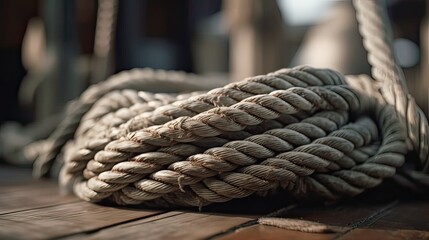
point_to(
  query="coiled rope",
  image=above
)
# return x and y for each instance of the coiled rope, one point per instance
(136, 79)
(377, 38)
(311, 132)
(287, 129)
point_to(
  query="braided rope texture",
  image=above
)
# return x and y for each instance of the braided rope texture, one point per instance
(308, 131)
(136, 79)
(377, 38)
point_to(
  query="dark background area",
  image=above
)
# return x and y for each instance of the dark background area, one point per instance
(149, 33)
(143, 28)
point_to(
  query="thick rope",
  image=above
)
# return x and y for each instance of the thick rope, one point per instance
(310, 132)
(137, 79)
(377, 38)
(290, 129)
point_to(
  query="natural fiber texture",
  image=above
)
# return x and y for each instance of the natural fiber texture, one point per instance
(311, 132)
(301, 225)
(137, 79)
(372, 19)
(373, 26)
(300, 129)
(377, 38)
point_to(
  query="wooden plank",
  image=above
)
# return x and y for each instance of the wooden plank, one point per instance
(348, 214)
(379, 234)
(36, 210)
(405, 217)
(172, 225)
(28, 186)
(360, 211)
(411, 215)
(19, 198)
(273, 233)
(65, 219)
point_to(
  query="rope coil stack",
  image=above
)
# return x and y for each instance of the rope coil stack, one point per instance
(312, 132)
(148, 79)
(287, 129)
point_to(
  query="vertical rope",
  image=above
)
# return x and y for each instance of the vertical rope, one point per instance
(377, 39)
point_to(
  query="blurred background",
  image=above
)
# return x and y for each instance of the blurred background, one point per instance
(51, 50)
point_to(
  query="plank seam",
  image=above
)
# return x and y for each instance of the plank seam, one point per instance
(40, 207)
(94, 231)
(368, 221)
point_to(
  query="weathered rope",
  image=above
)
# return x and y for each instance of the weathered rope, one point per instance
(288, 129)
(377, 38)
(311, 132)
(137, 79)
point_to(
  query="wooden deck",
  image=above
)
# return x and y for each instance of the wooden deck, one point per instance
(32, 209)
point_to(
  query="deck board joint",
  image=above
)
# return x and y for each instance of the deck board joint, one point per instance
(368, 221)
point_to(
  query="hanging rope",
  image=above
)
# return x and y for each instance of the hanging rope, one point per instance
(377, 39)
(312, 132)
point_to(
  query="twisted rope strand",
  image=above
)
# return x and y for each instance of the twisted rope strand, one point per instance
(214, 147)
(230, 94)
(234, 153)
(285, 167)
(311, 132)
(377, 37)
(139, 79)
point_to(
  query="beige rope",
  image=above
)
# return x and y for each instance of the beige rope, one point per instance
(137, 79)
(301, 225)
(377, 39)
(308, 131)
(290, 129)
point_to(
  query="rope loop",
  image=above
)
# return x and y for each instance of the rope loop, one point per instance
(165, 139)
(311, 132)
